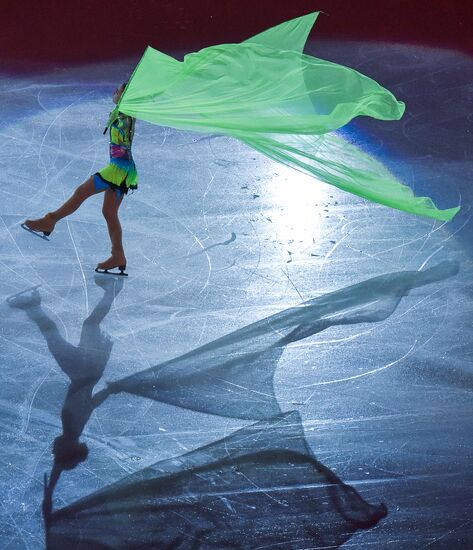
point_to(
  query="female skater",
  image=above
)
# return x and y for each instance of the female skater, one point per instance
(115, 179)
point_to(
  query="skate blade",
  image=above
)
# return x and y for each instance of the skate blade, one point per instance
(44, 235)
(108, 272)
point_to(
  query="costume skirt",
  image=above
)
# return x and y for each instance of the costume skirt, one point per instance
(120, 174)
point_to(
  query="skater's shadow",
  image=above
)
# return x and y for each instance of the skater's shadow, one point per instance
(233, 376)
(260, 485)
(84, 365)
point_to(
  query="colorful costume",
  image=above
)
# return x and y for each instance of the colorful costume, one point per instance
(120, 174)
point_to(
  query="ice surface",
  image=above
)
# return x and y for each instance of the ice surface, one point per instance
(254, 291)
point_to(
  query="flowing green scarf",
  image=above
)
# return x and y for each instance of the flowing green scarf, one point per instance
(281, 102)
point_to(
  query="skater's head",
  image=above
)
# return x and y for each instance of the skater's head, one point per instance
(117, 94)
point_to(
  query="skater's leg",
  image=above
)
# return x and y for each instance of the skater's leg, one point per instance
(47, 223)
(83, 192)
(111, 204)
(63, 352)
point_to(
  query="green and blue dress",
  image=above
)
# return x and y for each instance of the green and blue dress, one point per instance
(120, 174)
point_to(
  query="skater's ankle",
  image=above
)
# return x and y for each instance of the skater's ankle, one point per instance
(118, 252)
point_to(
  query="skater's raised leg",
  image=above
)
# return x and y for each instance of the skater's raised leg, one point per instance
(46, 223)
(111, 204)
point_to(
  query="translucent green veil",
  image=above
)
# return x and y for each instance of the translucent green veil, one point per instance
(279, 101)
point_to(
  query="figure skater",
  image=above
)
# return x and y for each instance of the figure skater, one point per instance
(115, 179)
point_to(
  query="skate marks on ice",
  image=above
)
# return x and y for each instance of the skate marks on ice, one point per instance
(233, 375)
(261, 487)
(207, 248)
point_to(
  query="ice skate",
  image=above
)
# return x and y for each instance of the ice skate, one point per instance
(115, 261)
(44, 225)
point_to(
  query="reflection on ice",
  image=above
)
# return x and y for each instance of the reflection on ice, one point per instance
(297, 212)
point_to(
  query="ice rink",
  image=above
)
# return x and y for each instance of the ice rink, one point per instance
(287, 366)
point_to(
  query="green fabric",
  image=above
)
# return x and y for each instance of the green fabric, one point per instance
(281, 102)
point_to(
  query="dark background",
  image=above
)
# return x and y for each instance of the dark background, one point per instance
(77, 31)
